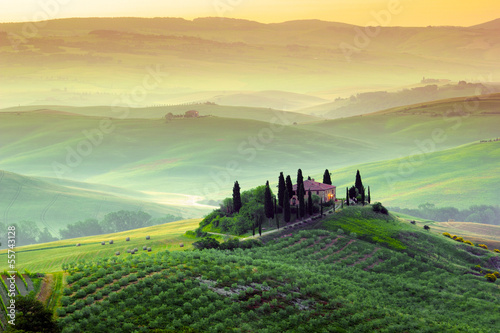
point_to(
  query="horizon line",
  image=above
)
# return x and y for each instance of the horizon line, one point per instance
(231, 18)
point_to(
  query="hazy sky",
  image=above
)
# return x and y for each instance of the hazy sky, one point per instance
(404, 12)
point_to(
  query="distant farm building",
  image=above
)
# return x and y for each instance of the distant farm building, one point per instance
(192, 114)
(324, 191)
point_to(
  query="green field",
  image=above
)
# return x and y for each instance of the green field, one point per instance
(154, 165)
(159, 112)
(429, 283)
(458, 177)
(49, 257)
(54, 203)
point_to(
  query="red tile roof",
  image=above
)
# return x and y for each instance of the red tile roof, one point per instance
(314, 186)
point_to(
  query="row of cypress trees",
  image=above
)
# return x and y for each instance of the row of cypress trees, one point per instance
(285, 193)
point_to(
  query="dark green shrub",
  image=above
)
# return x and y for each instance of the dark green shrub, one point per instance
(206, 243)
(378, 208)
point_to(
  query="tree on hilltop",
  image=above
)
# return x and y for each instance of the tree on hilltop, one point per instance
(236, 197)
(309, 203)
(300, 179)
(302, 204)
(281, 189)
(326, 178)
(268, 203)
(289, 187)
(359, 184)
(286, 207)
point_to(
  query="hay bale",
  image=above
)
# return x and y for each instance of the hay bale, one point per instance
(127, 239)
(128, 251)
(181, 244)
(148, 237)
(77, 244)
(117, 253)
(135, 250)
(149, 249)
(103, 243)
(144, 247)
(111, 242)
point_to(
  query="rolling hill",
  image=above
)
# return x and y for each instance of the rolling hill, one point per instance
(428, 282)
(368, 102)
(458, 177)
(48, 257)
(159, 112)
(154, 155)
(102, 60)
(54, 203)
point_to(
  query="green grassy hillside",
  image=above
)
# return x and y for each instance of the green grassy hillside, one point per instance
(49, 257)
(154, 155)
(368, 102)
(159, 112)
(55, 203)
(458, 177)
(430, 283)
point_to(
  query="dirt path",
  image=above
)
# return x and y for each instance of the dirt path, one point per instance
(22, 287)
(365, 257)
(373, 265)
(329, 244)
(349, 243)
(46, 289)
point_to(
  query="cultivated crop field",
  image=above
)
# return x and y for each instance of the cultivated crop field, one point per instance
(308, 281)
(475, 232)
(49, 257)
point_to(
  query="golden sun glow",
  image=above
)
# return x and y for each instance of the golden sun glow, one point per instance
(359, 12)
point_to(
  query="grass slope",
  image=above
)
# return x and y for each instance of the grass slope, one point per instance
(288, 285)
(158, 156)
(159, 112)
(54, 203)
(153, 155)
(458, 177)
(49, 257)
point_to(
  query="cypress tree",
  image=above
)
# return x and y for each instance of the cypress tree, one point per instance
(302, 204)
(363, 197)
(276, 215)
(236, 197)
(268, 203)
(326, 178)
(300, 179)
(347, 196)
(281, 189)
(309, 203)
(286, 207)
(289, 186)
(369, 199)
(359, 184)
